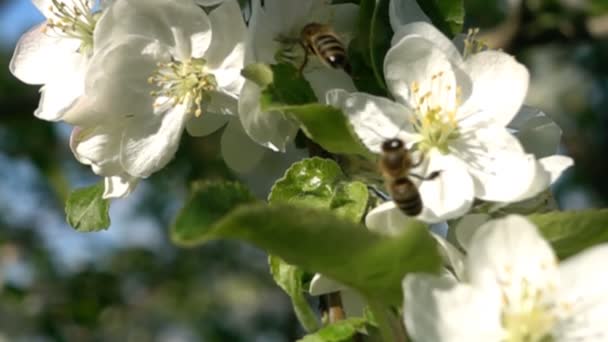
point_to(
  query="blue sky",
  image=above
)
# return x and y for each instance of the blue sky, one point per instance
(15, 18)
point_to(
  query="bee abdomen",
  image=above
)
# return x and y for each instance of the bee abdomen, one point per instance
(331, 50)
(406, 196)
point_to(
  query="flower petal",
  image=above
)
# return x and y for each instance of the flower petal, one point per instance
(555, 166)
(206, 124)
(437, 309)
(155, 20)
(60, 94)
(98, 146)
(415, 66)
(450, 194)
(226, 53)
(240, 153)
(40, 57)
(116, 83)
(320, 285)
(323, 79)
(269, 129)
(429, 32)
(510, 255)
(402, 12)
(582, 293)
(500, 85)
(373, 118)
(537, 133)
(387, 219)
(119, 186)
(149, 144)
(467, 226)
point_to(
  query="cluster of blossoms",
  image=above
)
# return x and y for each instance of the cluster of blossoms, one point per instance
(132, 75)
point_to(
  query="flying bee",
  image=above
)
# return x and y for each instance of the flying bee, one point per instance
(395, 165)
(321, 40)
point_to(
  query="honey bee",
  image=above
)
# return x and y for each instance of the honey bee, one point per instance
(395, 165)
(321, 40)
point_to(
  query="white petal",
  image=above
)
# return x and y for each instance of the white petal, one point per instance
(324, 79)
(148, 145)
(373, 118)
(402, 12)
(227, 50)
(452, 257)
(510, 256)
(537, 133)
(119, 186)
(263, 31)
(116, 85)
(439, 310)
(501, 171)
(269, 129)
(206, 124)
(466, 228)
(415, 66)
(583, 296)
(320, 285)
(60, 94)
(555, 166)
(240, 153)
(344, 19)
(450, 194)
(41, 57)
(430, 33)
(387, 219)
(98, 146)
(500, 85)
(155, 20)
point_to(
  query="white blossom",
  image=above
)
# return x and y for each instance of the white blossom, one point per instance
(156, 65)
(453, 111)
(274, 30)
(513, 290)
(55, 54)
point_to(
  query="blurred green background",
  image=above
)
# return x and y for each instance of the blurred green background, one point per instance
(130, 284)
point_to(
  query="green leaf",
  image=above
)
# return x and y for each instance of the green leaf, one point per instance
(328, 127)
(288, 88)
(571, 232)
(318, 241)
(289, 278)
(446, 15)
(86, 210)
(291, 94)
(380, 39)
(337, 332)
(320, 183)
(368, 48)
(208, 202)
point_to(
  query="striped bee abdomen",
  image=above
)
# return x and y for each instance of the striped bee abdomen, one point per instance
(406, 196)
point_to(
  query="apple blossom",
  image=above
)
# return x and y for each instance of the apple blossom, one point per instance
(55, 54)
(513, 290)
(156, 65)
(274, 32)
(454, 112)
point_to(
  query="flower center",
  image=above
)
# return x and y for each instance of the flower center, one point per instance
(528, 316)
(435, 118)
(76, 21)
(184, 82)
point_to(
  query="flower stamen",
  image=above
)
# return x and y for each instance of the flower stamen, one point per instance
(77, 22)
(184, 82)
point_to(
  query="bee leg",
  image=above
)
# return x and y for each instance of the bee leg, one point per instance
(432, 176)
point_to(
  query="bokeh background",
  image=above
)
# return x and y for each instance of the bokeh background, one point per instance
(130, 284)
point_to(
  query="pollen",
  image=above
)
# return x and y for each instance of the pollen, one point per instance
(184, 82)
(76, 21)
(435, 112)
